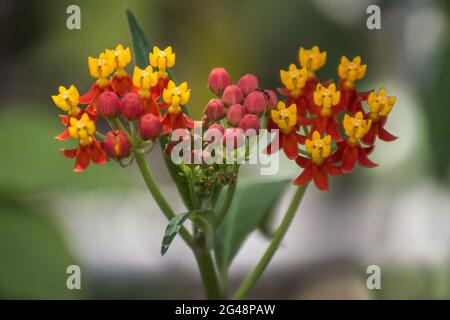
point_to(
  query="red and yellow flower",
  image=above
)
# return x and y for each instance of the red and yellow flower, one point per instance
(100, 68)
(121, 81)
(176, 97)
(285, 120)
(349, 72)
(326, 107)
(350, 151)
(320, 165)
(143, 81)
(380, 106)
(89, 149)
(312, 59)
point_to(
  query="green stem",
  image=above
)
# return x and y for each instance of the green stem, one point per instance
(207, 272)
(254, 275)
(121, 126)
(159, 198)
(228, 199)
(191, 186)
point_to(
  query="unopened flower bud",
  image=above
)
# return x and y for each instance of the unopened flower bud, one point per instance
(250, 122)
(116, 145)
(248, 83)
(232, 95)
(107, 104)
(150, 127)
(272, 99)
(218, 80)
(255, 103)
(234, 114)
(131, 106)
(233, 138)
(213, 132)
(215, 110)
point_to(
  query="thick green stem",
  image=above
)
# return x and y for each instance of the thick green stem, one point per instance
(254, 275)
(208, 273)
(159, 198)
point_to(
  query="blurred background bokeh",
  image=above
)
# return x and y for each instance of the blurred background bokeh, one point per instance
(396, 216)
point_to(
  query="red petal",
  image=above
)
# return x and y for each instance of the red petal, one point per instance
(271, 148)
(150, 106)
(384, 135)
(364, 160)
(64, 119)
(82, 161)
(333, 131)
(63, 135)
(338, 154)
(301, 104)
(68, 153)
(321, 178)
(121, 85)
(349, 158)
(167, 122)
(96, 153)
(300, 138)
(305, 177)
(187, 122)
(302, 161)
(304, 121)
(289, 144)
(90, 95)
(271, 125)
(355, 105)
(332, 170)
(369, 137)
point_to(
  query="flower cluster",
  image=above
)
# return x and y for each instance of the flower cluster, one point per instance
(340, 124)
(148, 101)
(326, 127)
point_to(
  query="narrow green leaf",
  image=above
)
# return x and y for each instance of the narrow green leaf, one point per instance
(171, 231)
(251, 203)
(201, 217)
(140, 45)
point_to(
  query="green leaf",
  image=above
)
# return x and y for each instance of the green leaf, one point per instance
(252, 201)
(140, 45)
(141, 48)
(265, 226)
(200, 217)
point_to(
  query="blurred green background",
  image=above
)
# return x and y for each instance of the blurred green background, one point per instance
(51, 218)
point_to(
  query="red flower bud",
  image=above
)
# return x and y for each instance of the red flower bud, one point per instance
(233, 138)
(272, 99)
(131, 106)
(215, 110)
(234, 114)
(250, 122)
(218, 80)
(150, 127)
(107, 104)
(248, 83)
(255, 103)
(215, 130)
(116, 145)
(232, 95)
